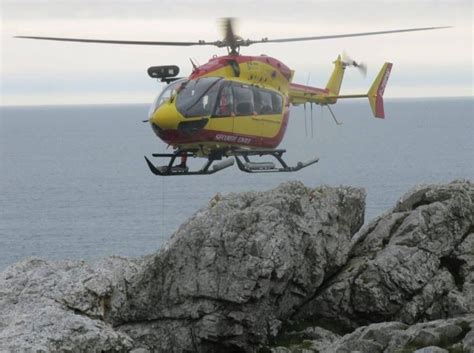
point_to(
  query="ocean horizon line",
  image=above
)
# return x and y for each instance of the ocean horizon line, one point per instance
(387, 99)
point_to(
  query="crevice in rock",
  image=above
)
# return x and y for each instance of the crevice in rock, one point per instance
(285, 338)
(214, 347)
(453, 265)
(469, 231)
(81, 313)
(448, 342)
(466, 328)
(186, 320)
(396, 225)
(422, 202)
(77, 311)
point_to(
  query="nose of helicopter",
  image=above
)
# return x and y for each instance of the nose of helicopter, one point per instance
(163, 119)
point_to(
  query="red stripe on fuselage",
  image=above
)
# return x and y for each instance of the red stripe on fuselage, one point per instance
(222, 61)
(176, 137)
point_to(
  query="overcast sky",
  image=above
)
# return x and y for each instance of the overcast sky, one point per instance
(431, 63)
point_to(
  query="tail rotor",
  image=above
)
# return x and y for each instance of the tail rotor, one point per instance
(348, 61)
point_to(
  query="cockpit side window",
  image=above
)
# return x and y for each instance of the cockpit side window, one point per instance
(165, 95)
(197, 97)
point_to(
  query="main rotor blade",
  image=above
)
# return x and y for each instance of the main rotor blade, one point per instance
(130, 42)
(229, 35)
(283, 40)
(237, 42)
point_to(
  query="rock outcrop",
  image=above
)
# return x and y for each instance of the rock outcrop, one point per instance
(226, 280)
(241, 266)
(258, 270)
(407, 269)
(413, 263)
(60, 307)
(438, 336)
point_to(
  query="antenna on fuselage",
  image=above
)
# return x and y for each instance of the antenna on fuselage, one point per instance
(193, 64)
(305, 123)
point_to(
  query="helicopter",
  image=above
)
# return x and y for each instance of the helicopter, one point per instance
(236, 107)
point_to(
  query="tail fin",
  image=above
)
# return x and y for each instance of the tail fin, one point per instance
(377, 89)
(334, 83)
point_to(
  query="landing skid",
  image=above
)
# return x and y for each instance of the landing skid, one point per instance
(246, 165)
(241, 156)
(171, 169)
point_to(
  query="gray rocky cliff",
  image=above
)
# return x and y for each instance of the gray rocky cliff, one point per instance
(413, 263)
(407, 270)
(250, 270)
(242, 265)
(226, 280)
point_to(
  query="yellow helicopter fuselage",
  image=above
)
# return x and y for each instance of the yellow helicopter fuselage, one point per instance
(254, 90)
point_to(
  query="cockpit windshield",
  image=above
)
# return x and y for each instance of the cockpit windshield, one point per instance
(165, 95)
(198, 97)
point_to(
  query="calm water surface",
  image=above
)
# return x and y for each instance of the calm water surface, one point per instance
(74, 184)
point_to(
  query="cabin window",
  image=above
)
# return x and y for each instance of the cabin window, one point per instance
(235, 99)
(277, 102)
(225, 102)
(243, 100)
(264, 102)
(267, 102)
(197, 97)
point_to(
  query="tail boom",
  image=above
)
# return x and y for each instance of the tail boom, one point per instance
(300, 94)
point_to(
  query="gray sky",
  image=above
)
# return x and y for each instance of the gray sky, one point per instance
(432, 63)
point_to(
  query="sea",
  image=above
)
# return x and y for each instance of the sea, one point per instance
(74, 183)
